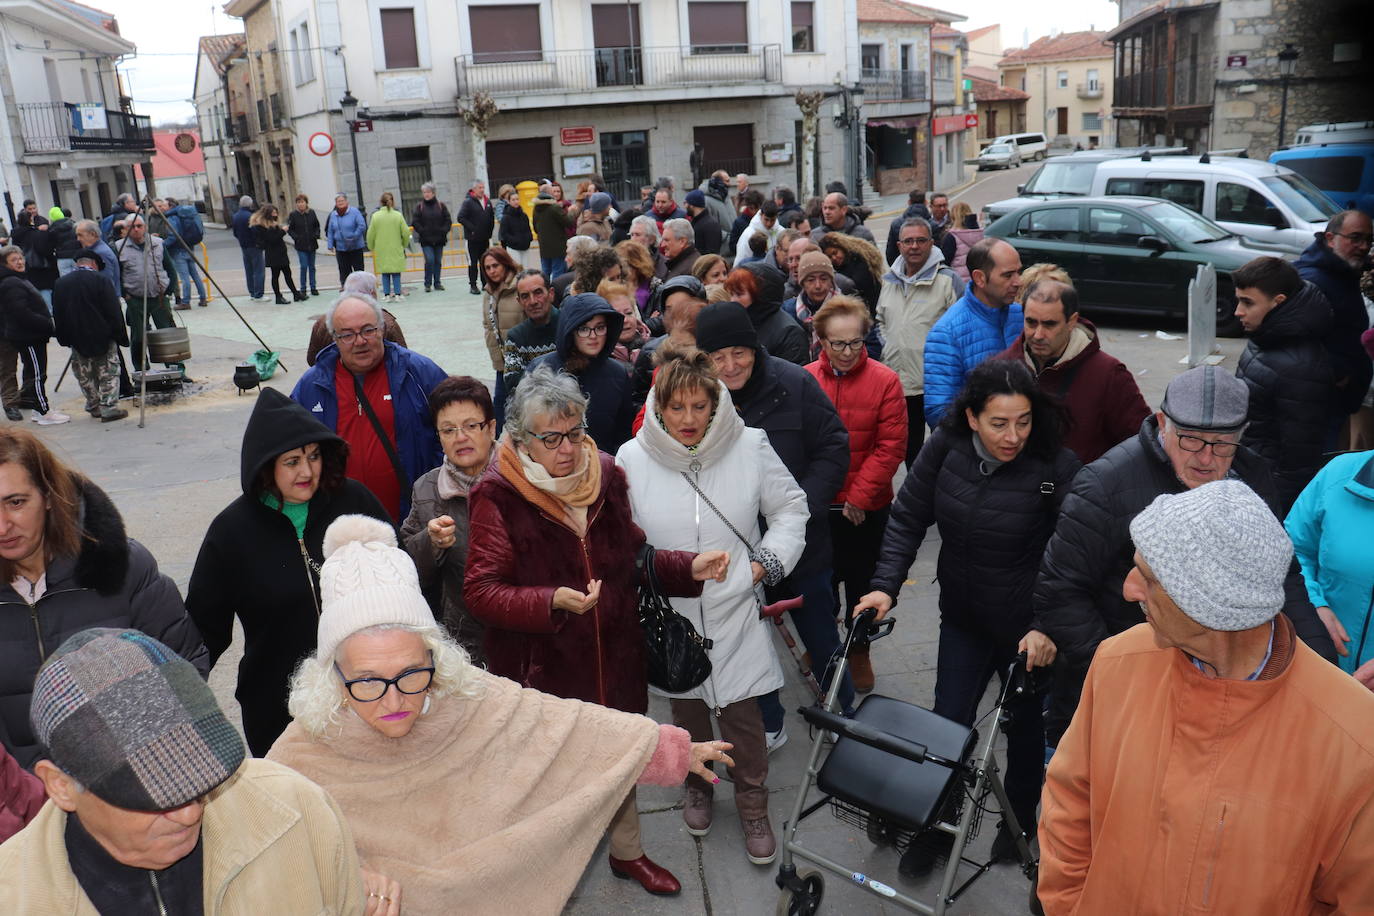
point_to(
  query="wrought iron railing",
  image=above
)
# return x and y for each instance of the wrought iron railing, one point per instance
(608, 68)
(59, 126)
(893, 85)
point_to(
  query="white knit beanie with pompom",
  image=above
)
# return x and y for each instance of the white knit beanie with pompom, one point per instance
(365, 581)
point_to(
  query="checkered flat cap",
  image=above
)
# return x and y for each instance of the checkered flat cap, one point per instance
(132, 721)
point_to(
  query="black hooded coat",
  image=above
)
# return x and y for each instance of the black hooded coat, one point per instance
(251, 564)
(605, 381)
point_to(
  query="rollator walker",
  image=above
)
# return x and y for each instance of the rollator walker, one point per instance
(904, 775)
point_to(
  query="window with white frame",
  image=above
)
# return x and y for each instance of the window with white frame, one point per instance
(1092, 120)
(1093, 79)
(942, 65)
(1061, 79)
(302, 54)
(871, 58)
(718, 27)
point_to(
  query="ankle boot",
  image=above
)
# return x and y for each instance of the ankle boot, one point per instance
(301, 297)
(281, 300)
(861, 670)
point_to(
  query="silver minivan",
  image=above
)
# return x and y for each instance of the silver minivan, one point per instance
(1031, 146)
(1256, 200)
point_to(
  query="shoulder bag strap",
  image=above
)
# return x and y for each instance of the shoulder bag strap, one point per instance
(401, 477)
(719, 514)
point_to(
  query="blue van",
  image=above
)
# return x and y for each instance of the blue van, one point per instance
(1343, 171)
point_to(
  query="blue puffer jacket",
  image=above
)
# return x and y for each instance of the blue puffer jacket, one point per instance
(411, 378)
(1331, 525)
(964, 336)
(180, 217)
(347, 232)
(605, 381)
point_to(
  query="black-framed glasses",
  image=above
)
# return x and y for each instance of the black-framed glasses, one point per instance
(589, 330)
(470, 429)
(1221, 449)
(367, 333)
(1359, 238)
(553, 440)
(372, 689)
(845, 346)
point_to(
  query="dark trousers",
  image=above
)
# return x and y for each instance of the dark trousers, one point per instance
(476, 248)
(9, 374)
(349, 261)
(856, 555)
(966, 664)
(34, 359)
(740, 725)
(277, 274)
(498, 397)
(434, 264)
(915, 426)
(815, 624)
(158, 313)
(253, 270)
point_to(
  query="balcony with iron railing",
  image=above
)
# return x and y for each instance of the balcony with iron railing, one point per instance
(1090, 90)
(618, 68)
(51, 127)
(893, 85)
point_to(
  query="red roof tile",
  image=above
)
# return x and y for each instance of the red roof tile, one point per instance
(976, 72)
(897, 11)
(988, 91)
(1068, 46)
(979, 33)
(218, 47)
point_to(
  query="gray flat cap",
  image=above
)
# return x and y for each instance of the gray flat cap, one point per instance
(1206, 398)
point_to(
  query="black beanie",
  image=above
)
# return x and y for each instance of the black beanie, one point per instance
(725, 324)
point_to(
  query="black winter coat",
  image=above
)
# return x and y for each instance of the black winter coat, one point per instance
(1078, 598)
(779, 333)
(478, 221)
(40, 252)
(431, 222)
(86, 313)
(251, 565)
(272, 241)
(24, 318)
(993, 530)
(62, 234)
(113, 582)
(304, 229)
(515, 229)
(1340, 283)
(707, 232)
(605, 381)
(802, 425)
(1292, 391)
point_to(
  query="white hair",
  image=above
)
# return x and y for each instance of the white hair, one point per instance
(543, 392)
(361, 281)
(358, 297)
(578, 244)
(318, 694)
(682, 230)
(428, 186)
(648, 224)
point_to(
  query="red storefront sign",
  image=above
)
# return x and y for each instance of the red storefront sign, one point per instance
(574, 136)
(949, 124)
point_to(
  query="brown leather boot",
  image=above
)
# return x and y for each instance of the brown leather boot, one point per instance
(861, 670)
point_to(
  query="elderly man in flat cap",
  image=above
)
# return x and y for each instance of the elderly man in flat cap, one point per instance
(152, 807)
(1215, 762)
(1193, 439)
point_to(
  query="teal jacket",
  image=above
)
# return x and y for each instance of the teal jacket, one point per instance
(1332, 526)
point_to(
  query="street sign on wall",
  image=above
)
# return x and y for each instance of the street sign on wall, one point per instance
(576, 136)
(362, 126)
(1236, 62)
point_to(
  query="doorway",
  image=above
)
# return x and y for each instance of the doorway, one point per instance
(412, 170)
(619, 60)
(1063, 122)
(625, 163)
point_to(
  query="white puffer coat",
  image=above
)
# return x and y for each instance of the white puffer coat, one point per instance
(741, 474)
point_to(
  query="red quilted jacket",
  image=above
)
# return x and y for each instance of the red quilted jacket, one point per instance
(870, 403)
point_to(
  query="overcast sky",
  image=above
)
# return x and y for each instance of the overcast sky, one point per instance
(162, 75)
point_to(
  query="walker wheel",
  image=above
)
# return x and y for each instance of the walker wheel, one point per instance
(805, 902)
(880, 832)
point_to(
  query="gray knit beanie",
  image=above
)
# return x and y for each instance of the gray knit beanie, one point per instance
(1219, 552)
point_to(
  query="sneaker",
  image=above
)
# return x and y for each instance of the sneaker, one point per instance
(182, 306)
(473, 290)
(697, 811)
(108, 414)
(15, 414)
(926, 848)
(775, 740)
(52, 418)
(439, 287)
(861, 670)
(203, 303)
(759, 844)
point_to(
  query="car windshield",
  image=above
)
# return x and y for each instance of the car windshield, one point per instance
(1183, 223)
(999, 148)
(1302, 197)
(1062, 178)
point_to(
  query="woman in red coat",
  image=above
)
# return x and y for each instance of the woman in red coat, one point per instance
(551, 572)
(868, 396)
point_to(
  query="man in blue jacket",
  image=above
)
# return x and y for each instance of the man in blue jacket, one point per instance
(254, 265)
(361, 386)
(983, 323)
(189, 231)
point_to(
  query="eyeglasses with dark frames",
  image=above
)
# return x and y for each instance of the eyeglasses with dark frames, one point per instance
(1197, 443)
(372, 689)
(845, 346)
(367, 333)
(1359, 238)
(553, 440)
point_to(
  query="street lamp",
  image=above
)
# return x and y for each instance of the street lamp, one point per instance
(349, 106)
(1288, 62)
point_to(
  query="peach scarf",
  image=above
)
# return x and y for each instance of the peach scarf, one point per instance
(564, 499)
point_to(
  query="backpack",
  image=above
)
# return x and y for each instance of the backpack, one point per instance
(192, 229)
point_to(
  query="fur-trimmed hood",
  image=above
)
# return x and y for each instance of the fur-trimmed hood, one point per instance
(103, 562)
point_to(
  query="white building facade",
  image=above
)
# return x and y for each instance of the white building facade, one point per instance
(67, 135)
(625, 90)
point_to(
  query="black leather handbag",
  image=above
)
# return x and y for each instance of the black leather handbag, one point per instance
(676, 652)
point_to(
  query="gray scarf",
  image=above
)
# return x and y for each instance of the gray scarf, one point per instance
(988, 463)
(455, 484)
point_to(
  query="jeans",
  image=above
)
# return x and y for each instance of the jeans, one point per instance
(553, 267)
(498, 397)
(306, 261)
(185, 263)
(391, 284)
(815, 624)
(255, 270)
(47, 297)
(966, 664)
(65, 266)
(434, 264)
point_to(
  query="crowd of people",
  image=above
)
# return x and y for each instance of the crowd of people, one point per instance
(435, 576)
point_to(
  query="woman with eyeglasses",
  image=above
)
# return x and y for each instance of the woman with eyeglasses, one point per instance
(435, 533)
(588, 331)
(551, 573)
(868, 397)
(261, 556)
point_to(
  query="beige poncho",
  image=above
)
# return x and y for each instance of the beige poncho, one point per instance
(490, 805)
